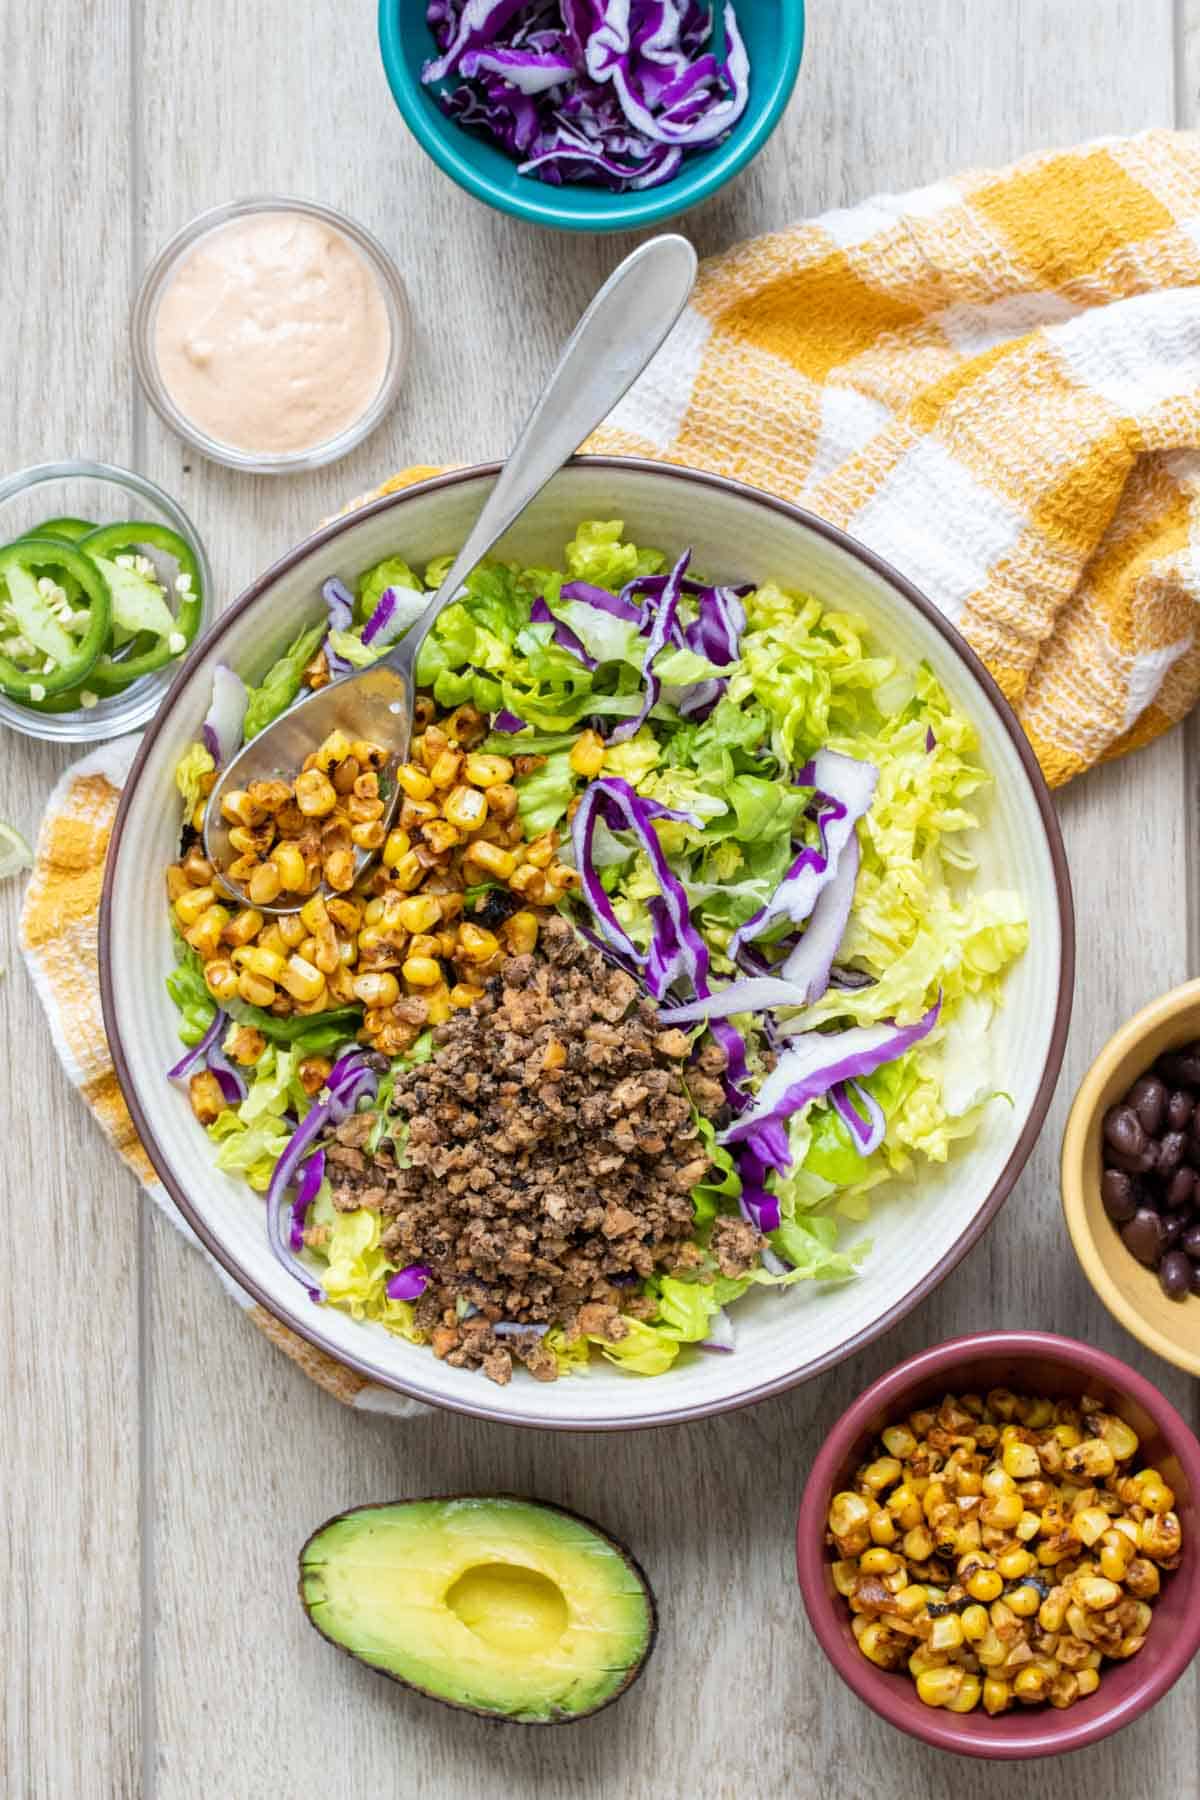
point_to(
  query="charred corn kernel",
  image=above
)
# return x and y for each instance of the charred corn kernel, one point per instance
(911, 1599)
(990, 1649)
(1030, 1683)
(204, 1092)
(975, 1623)
(443, 771)
(245, 1044)
(883, 1528)
(199, 814)
(346, 914)
(438, 1001)
(255, 988)
(264, 885)
(247, 842)
(409, 872)
(421, 971)
(1095, 1592)
(313, 1072)
(301, 980)
(476, 944)
(271, 938)
(502, 801)
(903, 1502)
(967, 1698)
(423, 943)
(332, 749)
(1020, 1461)
(195, 901)
(368, 836)
(177, 883)
(918, 1544)
(238, 808)
(397, 845)
(314, 914)
(938, 1687)
(315, 794)
(946, 1633)
(206, 934)
(290, 862)
(1052, 1612)
(368, 755)
(415, 813)
(493, 860)
(587, 754)
(197, 868)
(1067, 1436)
(244, 926)
(1159, 1535)
(984, 1584)
(879, 1645)
(462, 995)
(540, 853)
(1002, 1510)
(899, 1441)
(845, 1577)
(1153, 1492)
(267, 963)
(1089, 1524)
(363, 811)
(418, 912)
(1013, 1564)
(1064, 1689)
(220, 978)
(922, 1659)
(1087, 1681)
(366, 787)
(466, 808)
(1092, 1458)
(849, 1523)
(339, 870)
(487, 771)
(1141, 1578)
(878, 1561)
(1024, 1600)
(997, 1480)
(1121, 1438)
(1027, 1527)
(441, 836)
(997, 1695)
(885, 1472)
(414, 782)
(520, 933)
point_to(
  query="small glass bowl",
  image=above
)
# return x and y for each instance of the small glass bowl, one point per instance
(91, 490)
(156, 281)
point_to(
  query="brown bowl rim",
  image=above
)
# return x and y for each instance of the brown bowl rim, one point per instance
(1004, 1183)
(1062, 1731)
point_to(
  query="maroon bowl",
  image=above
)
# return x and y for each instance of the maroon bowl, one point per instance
(1032, 1362)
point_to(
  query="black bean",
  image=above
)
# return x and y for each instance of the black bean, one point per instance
(1180, 1189)
(1190, 1241)
(1141, 1164)
(1143, 1235)
(1180, 1107)
(1171, 1147)
(1117, 1194)
(1148, 1098)
(1123, 1131)
(1182, 1067)
(1175, 1275)
(1173, 1227)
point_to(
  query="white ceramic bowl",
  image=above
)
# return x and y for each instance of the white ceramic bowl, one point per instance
(737, 534)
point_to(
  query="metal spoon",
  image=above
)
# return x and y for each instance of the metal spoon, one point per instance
(621, 330)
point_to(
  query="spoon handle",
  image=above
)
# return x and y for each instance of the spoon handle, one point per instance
(617, 336)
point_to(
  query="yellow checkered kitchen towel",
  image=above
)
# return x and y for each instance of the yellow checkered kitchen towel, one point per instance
(994, 382)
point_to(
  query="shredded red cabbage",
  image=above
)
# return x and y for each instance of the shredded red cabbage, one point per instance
(409, 1283)
(564, 637)
(196, 1055)
(861, 1114)
(312, 1174)
(809, 1067)
(612, 92)
(663, 624)
(226, 717)
(508, 721)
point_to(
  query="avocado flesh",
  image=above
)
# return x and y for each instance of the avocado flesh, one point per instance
(494, 1604)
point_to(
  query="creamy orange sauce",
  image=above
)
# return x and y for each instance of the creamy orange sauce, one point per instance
(273, 334)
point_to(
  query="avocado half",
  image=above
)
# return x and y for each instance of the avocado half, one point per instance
(500, 1606)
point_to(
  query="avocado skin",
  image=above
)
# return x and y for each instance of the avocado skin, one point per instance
(482, 1712)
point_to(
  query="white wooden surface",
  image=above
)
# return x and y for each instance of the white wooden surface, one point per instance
(162, 1462)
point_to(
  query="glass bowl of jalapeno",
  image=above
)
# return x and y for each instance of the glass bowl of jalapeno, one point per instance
(104, 587)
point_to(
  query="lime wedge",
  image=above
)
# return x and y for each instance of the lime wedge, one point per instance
(15, 853)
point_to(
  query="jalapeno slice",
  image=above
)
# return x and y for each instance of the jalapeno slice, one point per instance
(64, 527)
(73, 657)
(111, 674)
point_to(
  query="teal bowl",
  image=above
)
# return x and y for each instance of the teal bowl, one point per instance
(774, 34)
